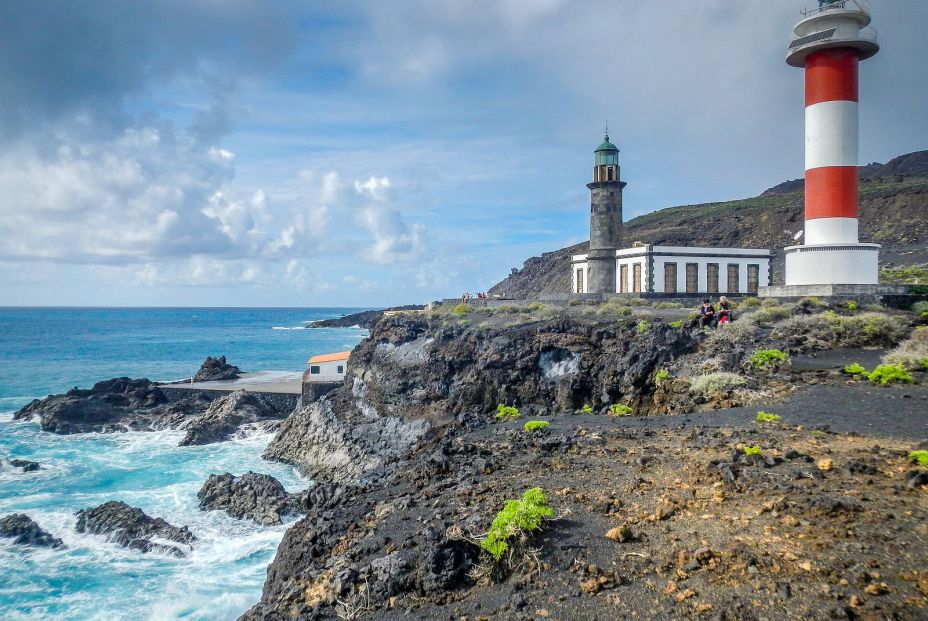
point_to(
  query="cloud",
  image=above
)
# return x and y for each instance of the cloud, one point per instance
(393, 240)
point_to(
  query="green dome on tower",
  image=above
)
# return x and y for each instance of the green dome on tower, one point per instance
(607, 154)
(606, 145)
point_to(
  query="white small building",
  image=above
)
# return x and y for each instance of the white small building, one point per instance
(683, 270)
(327, 367)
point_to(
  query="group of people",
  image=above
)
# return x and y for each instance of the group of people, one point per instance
(467, 297)
(709, 316)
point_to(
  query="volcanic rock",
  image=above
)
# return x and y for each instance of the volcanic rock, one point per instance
(131, 528)
(257, 497)
(214, 369)
(119, 404)
(24, 531)
(25, 465)
(225, 415)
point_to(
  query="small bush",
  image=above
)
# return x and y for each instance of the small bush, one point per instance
(462, 309)
(920, 456)
(517, 519)
(620, 409)
(637, 302)
(766, 417)
(506, 412)
(811, 300)
(770, 314)
(643, 326)
(573, 302)
(534, 307)
(769, 302)
(911, 353)
(676, 324)
(668, 305)
(767, 357)
(750, 302)
(751, 450)
(889, 373)
(920, 307)
(852, 306)
(586, 409)
(536, 425)
(827, 330)
(854, 369)
(716, 382)
(661, 376)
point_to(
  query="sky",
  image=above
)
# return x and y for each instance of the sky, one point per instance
(368, 153)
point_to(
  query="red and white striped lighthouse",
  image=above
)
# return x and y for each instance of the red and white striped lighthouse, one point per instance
(829, 43)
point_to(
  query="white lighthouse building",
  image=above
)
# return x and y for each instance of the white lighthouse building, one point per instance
(829, 43)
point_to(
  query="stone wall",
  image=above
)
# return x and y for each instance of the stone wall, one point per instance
(283, 402)
(315, 390)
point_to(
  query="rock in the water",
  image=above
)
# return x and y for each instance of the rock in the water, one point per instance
(225, 415)
(257, 497)
(24, 531)
(214, 369)
(25, 465)
(119, 404)
(131, 528)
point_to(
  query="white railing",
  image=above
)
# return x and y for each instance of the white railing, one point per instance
(862, 5)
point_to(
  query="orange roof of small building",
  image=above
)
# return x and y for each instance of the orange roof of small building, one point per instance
(341, 355)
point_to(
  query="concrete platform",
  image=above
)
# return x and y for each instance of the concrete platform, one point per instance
(281, 382)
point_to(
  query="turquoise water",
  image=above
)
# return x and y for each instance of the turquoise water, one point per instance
(50, 350)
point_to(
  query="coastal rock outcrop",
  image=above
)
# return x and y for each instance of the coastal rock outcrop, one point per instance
(25, 531)
(257, 497)
(226, 414)
(364, 319)
(131, 528)
(215, 369)
(25, 465)
(118, 404)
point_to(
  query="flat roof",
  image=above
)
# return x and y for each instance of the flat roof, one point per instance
(335, 357)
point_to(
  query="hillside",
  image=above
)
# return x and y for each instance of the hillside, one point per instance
(893, 212)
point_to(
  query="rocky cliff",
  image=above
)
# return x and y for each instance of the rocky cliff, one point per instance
(893, 212)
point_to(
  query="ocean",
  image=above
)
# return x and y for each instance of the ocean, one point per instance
(49, 350)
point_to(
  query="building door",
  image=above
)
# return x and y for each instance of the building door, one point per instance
(712, 277)
(579, 280)
(623, 279)
(753, 278)
(670, 277)
(692, 277)
(636, 278)
(733, 274)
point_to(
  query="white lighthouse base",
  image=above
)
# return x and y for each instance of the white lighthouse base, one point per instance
(832, 264)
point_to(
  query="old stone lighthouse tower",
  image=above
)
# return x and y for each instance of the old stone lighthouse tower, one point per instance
(605, 219)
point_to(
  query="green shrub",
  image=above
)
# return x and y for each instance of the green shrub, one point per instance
(889, 373)
(517, 519)
(751, 450)
(716, 382)
(920, 307)
(911, 353)
(676, 324)
(854, 369)
(462, 309)
(668, 305)
(811, 300)
(750, 302)
(852, 306)
(920, 456)
(534, 307)
(767, 357)
(766, 417)
(536, 425)
(828, 330)
(620, 409)
(661, 376)
(637, 302)
(586, 409)
(769, 302)
(506, 412)
(573, 302)
(608, 308)
(770, 314)
(643, 326)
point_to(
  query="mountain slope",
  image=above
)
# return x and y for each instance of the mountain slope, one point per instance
(893, 212)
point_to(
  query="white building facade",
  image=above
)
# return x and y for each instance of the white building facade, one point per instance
(682, 270)
(327, 367)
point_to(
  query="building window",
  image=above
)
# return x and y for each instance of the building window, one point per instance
(712, 277)
(692, 277)
(733, 274)
(340, 370)
(636, 278)
(670, 277)
(623, 279)
(579, 280)
(753, 278)
(314, 370)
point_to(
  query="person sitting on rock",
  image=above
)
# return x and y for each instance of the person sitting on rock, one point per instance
(706, 314)
(726, 312)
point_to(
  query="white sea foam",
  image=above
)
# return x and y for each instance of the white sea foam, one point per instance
(289, 328)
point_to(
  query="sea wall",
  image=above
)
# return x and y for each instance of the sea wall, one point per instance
(282, 402)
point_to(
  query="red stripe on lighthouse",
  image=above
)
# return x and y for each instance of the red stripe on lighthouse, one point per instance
(831, 192)
(831, 75)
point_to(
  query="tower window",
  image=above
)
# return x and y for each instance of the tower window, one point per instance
(609, 172)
